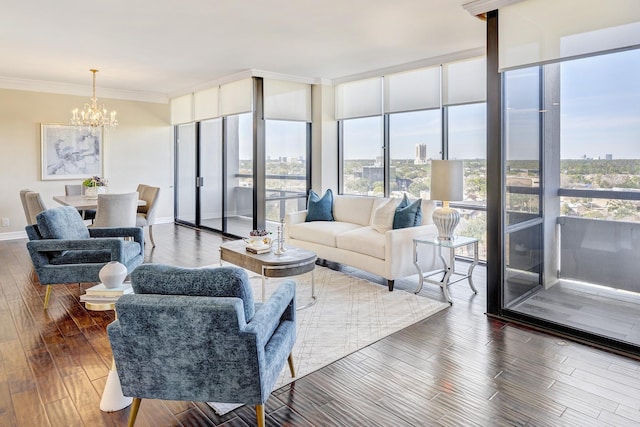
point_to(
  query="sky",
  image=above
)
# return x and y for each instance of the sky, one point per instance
(601, 106)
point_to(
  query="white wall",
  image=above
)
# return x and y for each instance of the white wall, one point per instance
(139, 150)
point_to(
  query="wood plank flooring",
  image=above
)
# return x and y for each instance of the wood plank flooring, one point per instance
(455, 368)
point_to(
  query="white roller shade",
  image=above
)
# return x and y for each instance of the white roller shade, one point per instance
(362, 98)
(464, 82)
(182, 109)
(412, 90)
(534, 32)
(236, 97)
(287, 100)
(206, 104)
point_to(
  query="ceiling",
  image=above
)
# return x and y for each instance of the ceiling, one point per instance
(169, 47)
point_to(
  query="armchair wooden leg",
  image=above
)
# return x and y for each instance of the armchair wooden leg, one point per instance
(133, 412)
(47, 296)
(259, 415)
(291, 367)
(153, 244)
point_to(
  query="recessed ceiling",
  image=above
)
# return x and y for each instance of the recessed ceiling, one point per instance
(167, 47)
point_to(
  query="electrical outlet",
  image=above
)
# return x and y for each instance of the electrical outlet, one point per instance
(5, 222)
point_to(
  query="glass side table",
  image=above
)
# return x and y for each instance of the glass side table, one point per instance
(449, 265)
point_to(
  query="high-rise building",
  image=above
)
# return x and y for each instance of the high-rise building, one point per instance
(421, 154)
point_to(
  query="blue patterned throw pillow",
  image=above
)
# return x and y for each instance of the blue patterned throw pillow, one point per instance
(408, 214)
(320, 209)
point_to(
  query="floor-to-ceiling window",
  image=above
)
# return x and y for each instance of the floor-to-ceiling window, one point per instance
(410, 118)
(286, 168)
(570, 171)
(467, 140)
(243, 159)
(523, 218)
(239, 177)
(596, 200)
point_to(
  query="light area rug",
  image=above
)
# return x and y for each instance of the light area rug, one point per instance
(350, 313)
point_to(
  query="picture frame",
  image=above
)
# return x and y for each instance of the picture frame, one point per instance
(70, 152)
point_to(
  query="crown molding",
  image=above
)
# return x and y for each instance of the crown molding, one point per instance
(80, 90)
(422, 63)
(480, 7)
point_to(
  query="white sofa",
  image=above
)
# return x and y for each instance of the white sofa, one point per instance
(352, 240)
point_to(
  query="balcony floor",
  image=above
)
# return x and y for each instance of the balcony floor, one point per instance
(600, 310)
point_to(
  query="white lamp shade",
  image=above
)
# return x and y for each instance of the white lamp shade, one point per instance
(447, 180)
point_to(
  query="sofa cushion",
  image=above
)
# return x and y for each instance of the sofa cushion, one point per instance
(408, 214)
(320, 232)
(363, 240)
(62, 223)
(353, 209)
(320, 208)
(383, 215)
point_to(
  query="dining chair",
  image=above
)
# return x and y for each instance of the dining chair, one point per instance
(116, 210)
(23, 199)
(146, 215)
(34, 205)
(78, 190)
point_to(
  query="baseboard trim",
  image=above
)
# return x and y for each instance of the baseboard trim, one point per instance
(13, 235)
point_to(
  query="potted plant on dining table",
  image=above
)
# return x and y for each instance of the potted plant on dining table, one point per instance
(93, 186)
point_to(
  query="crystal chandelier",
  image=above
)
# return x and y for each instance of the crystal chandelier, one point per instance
(92, 114)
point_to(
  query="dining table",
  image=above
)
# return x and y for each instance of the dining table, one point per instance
(81, 202)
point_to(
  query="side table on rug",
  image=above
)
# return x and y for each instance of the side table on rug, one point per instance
(293, 262)
(112, 398)
(449, 264)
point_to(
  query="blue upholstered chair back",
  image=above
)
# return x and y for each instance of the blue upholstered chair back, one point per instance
(62, 223)
(196, 334)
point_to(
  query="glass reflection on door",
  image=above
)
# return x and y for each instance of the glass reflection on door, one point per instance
(211, 168)
(239, 174)
(523, 214)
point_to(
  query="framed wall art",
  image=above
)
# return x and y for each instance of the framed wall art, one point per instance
(70, 152)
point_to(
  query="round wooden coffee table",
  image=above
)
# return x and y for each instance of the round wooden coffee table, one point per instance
(293, 262)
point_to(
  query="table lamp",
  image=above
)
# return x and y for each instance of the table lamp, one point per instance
(446, 185)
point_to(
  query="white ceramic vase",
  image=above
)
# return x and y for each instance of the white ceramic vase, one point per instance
(112, 274)
(92, 192)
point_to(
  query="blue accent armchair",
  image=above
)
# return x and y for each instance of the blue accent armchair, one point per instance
(64, 250)
(196, 334)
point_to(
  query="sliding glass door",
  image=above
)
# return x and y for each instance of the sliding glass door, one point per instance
(245, 162)
(186, 173)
